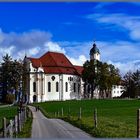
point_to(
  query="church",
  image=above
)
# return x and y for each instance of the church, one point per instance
(52, 77)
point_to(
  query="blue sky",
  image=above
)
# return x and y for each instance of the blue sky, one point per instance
(71, 28)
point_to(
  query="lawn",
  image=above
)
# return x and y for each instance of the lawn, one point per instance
(116, 118)
(8, 112)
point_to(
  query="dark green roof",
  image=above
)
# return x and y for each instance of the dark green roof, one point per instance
(94, 50)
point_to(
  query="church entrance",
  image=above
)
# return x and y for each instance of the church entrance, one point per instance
(34, 98)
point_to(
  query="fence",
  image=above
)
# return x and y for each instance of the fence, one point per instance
(61, 114)
(12, 128)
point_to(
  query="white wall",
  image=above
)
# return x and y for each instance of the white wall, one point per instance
(116, 90)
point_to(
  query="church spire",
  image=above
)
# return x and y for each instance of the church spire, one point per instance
(94, 52)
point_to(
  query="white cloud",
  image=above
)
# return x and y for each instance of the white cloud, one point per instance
(9, 50)
(129, 23)
(52, 46)
(34, 51)
(78, 61)
(126, 67)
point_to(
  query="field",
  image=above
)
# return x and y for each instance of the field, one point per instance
(116, 118)
(8, 112)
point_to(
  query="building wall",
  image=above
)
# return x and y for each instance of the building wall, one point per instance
(117, 90)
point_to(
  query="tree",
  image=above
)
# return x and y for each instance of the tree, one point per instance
(132, 84)
(100, 75)
(11, 75)
(90, 75)
(6, 74)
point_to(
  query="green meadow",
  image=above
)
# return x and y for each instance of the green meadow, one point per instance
(8, 112)
(115, 118)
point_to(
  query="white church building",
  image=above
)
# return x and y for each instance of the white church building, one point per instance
(54, 77)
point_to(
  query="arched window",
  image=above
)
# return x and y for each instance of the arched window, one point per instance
(49, 86)
(66, 85)
(34, 86)
(74, 87)
(57, 86)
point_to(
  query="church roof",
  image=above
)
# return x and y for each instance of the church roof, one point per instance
(79, 69)
(94, 49)
(55, 63)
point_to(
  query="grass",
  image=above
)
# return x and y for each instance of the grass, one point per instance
(116, 118)
(27, 128)
(8, 112)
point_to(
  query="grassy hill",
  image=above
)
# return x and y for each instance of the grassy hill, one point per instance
(116, 118)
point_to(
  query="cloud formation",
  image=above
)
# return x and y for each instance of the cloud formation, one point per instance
(17, 44)
(119, 20)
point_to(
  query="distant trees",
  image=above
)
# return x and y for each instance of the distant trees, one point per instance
(99, 75)
(132, 84)
(11, 72)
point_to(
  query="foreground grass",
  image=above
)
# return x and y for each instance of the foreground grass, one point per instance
(8, 112)
(116, 118)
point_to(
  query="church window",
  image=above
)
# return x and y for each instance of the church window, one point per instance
(49, 86)
(34, 86)
(66, 84)
(78, 88)
(74, 87)
(57, 86)
(53, 78)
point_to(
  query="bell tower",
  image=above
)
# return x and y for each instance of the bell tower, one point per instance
(94, 53)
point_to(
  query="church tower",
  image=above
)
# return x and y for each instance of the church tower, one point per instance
(94, 53)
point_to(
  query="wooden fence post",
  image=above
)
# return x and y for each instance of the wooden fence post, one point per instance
(55, 114)
(19, 123)
(58, 113)
(11, 129)
(62, 112)
(16, 125)
(4, 128)
(95, 118)
(138, 123)
(79, 115)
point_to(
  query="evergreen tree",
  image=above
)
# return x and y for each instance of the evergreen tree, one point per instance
(10, 75)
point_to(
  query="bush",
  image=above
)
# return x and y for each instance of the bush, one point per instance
(10, 98)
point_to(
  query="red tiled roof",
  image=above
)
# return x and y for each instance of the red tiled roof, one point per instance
(60, 70)
(35, 62)
(79, 69)
(54, 62)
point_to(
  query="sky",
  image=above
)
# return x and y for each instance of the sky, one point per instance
(71, 28)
